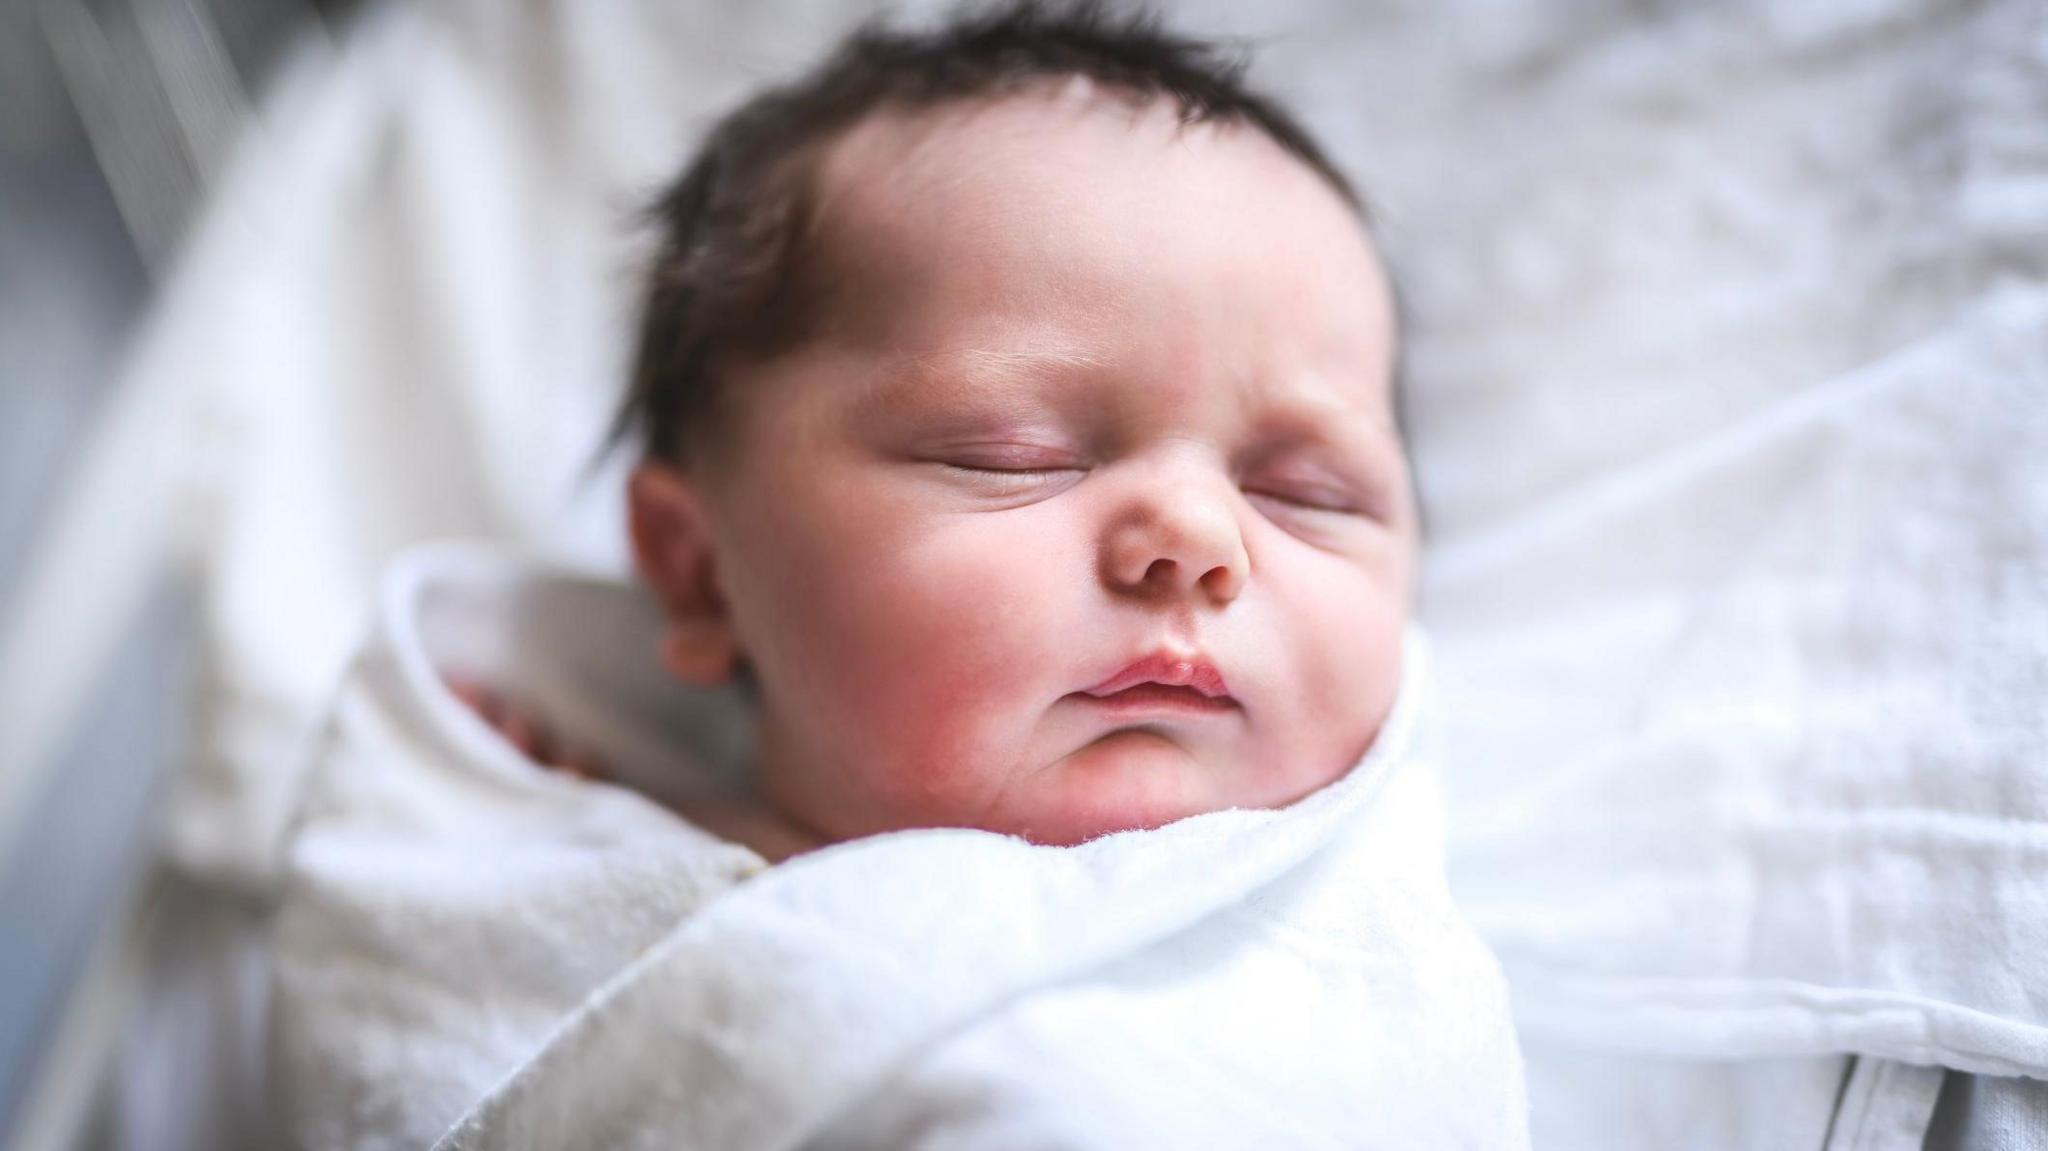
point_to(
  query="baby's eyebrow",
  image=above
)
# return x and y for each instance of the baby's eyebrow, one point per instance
(1317, 419)
(908, 378)
(1298, 413)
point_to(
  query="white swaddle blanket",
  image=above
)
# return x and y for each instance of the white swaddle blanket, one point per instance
(473, 949)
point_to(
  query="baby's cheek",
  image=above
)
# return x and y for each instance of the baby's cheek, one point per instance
(1346, 634)
(963, 646)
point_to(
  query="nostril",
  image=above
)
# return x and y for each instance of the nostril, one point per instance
(1161, 571)
(1224, 582)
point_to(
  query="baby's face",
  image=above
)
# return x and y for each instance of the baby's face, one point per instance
(1103, 402)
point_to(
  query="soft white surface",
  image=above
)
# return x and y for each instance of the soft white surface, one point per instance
(573, 967)
(1804, 708)
(1589, 1099)
(1741, 580)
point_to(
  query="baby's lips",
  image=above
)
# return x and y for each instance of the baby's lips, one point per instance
(1167, 668)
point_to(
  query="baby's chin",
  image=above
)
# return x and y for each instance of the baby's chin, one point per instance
(1125, 781)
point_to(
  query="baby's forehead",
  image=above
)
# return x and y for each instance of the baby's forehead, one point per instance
(1047, 141)
(996, 196)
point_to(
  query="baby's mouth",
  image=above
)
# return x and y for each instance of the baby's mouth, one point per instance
(1163, 682)
(1159, 698)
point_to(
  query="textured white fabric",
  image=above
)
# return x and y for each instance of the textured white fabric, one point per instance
(1601, 1100)
(1807, 718)
(1976, 1113)
(1729, 405)
(1886, 1106)
(1741, 582)
(458, 922)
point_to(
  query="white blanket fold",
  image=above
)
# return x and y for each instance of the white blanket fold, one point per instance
(560, 964)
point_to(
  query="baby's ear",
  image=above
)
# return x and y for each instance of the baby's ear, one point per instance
(673, 552)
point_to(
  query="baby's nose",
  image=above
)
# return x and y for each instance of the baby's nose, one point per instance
(1177, 539)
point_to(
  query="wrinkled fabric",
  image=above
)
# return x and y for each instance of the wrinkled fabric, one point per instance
(1741, 569)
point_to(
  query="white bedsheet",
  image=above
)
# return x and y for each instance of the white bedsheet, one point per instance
(1770, 781)
(1736, 429)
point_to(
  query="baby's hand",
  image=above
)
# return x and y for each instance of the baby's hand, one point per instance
(523, 729)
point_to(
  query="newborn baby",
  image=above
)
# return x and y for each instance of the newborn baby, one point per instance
(1017, 419)
(1028, 439)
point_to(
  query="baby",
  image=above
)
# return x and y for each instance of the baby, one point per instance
(1018, 415)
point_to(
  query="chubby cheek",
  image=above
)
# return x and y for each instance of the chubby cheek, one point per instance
(1343, 625)
(920, 649)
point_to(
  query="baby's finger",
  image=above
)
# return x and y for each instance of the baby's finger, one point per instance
(579, 763)
(471, 692)
(519, 731)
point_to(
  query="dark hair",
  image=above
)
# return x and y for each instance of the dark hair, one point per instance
(729, 278)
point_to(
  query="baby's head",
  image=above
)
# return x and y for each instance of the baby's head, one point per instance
(1018, 412)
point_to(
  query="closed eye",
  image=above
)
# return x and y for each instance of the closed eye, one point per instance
(1311, 499)
(1009, 473)
(1002, 469)
(1019, 458)
(1009, 478)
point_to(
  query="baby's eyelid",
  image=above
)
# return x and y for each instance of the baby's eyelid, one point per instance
(997, 469)
(1331, 504)
(1322, 494)
(1013, 475)
(1009, 458)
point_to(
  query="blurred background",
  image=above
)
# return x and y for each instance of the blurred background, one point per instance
(117, 119)
(1731, 423)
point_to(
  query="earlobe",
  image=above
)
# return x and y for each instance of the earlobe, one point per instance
(674, 554)
(703, 657)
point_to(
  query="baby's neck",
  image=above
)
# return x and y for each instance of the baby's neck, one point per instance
(743, 818)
